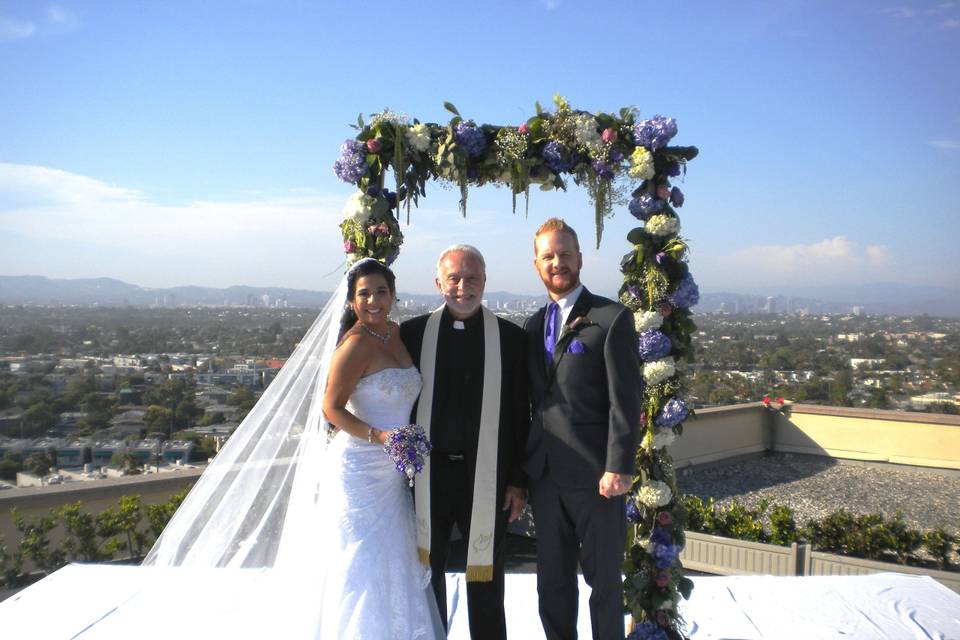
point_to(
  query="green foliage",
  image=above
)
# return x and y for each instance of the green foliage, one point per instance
(35, 541)
(940, 544)
(10, 465)
(870, 536)
(80, 529)
(783, 526)
(129, 529)
(11, 566)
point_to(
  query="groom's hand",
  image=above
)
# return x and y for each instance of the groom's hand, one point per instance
(614, 484)
(514, 499)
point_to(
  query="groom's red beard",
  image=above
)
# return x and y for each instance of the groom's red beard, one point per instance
(561, 281)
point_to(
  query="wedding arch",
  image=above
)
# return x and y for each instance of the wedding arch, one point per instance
(619, 159)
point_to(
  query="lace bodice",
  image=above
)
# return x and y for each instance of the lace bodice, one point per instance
(385, 399)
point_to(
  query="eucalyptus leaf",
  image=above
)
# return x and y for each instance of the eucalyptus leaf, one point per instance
(452, 109)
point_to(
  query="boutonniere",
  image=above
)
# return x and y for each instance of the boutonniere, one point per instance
(576, 323)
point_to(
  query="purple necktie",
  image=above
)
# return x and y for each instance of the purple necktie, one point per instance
(550, 335)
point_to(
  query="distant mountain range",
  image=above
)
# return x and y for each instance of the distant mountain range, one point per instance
(872, 299)
(108, 292)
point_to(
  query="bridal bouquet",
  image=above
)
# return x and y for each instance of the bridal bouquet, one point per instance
(407, 446)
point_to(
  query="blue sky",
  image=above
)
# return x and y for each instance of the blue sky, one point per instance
(192, 143)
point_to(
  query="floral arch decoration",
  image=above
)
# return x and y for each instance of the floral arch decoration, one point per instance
(620, 159)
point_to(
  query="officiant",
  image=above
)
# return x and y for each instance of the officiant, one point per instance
(475, 409)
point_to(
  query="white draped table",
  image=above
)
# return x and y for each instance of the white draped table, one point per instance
(106, 602)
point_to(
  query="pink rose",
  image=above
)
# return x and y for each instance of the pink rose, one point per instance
(665, 309)
(663, 192)
(349, 247)
(664, 519)
(643, 418)
(663, 619)
(523, 128)
(780, 401)
(374, 145)
(383, 229)
(662, 579)
(766, 400)
(609, 134)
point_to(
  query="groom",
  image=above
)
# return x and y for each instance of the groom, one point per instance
(475, 409)
(585, 389)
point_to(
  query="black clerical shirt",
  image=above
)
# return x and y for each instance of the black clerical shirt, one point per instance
(459, 384)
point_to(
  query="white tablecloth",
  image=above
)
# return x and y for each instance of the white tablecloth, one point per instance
(107, 602)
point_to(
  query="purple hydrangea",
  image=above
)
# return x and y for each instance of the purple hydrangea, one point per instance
(664, 555)
(655, 132)
(470, 138)
(555, 157)
(634, 291)
(660, 536)
(645, 205)
(687, 293)
(654, 345)
(647, 631)
(352, 163)
(603, 170)
(673, 169)
(616, 156)
(676, 197)
(673, 413)
(633, 512)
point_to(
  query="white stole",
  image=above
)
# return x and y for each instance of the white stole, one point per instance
(483, 516)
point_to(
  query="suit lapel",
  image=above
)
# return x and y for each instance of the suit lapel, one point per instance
(580, 308)
(537, 339)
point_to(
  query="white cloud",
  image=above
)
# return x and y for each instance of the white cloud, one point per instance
(794, 264)
(62, 17)
(15, 29)
(947, 144)
(43, 203)
(940, 9)
(899, 12)
(550, 4)
(878, 255)
(950, 23)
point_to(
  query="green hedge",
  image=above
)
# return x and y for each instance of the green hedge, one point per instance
(124, 532)
(870, 536)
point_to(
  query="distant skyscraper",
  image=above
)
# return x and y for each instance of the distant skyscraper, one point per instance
(857, 310)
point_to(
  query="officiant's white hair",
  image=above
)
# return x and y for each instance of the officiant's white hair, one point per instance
(468, 249)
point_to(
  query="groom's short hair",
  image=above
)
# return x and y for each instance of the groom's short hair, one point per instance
(468, 249)
(555, 224)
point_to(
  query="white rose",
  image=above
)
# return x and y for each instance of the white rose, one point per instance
(657, 371)
(647, 320)
(662, 225)
(418, 137)
(358, 207)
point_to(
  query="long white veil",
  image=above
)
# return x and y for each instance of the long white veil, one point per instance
(257, 503)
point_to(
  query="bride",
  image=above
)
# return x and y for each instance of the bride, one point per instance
(338, 517)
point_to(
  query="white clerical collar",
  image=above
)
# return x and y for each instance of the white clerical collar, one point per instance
(458, 324)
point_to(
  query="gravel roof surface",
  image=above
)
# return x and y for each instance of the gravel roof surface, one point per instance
(814, 486)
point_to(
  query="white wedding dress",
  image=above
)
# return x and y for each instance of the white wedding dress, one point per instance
(375, 586)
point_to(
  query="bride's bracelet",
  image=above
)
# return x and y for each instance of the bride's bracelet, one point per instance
(370, 435)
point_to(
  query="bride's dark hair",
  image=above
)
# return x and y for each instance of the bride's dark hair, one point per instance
(363, 268)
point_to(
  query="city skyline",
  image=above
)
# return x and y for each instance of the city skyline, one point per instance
(181, 144)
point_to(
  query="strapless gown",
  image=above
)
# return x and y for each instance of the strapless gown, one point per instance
(375, 585)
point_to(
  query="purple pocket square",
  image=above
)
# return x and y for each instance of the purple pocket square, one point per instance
(576, 347)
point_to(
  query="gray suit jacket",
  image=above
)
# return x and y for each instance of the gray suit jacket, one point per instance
(586, 407)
